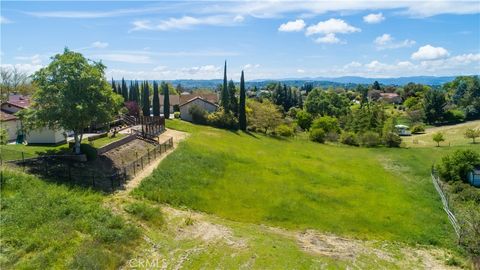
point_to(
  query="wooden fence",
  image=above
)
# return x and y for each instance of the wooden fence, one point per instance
(446, 206)
(57, 169)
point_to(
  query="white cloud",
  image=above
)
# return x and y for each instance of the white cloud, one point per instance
(99, 44)
(386, 41)
(373, 18)
(329, 38)
(331, 26)
(251, 66)
(428, 52)
(239, 18)
(131, 58)
(4, 20)
(353, 64)
(383, 39)
(300, 71)
(185, 22)
(34, 59)
(29, 69)
(292, 26)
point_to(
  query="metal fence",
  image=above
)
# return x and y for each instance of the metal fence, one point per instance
(444, 197)
(59, 169)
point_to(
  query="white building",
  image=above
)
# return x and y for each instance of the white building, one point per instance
(196, 101)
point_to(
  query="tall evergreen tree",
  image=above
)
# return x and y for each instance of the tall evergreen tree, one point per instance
(124, 90)
(300, 100)
(242, 116)
(224, 96)
(130, 92)
(146, 100)
(114, 87)
(232, 99)
(166, 101)
(376, 86)
(156, 100)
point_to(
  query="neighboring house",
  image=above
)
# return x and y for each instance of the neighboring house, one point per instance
(213, 97)
(196, 101)
(474, 177)
(403, 130)
(174, 100)
(13, 124)
(390, 98)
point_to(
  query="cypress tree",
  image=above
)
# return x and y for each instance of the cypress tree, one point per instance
(233, 104)
(146, 100)
(114, 87)
(224, 97)
(130, 92)
(300, 100)
(124, 90)
(156, 100)
(136, 93)
(242, 116)
(166, 101)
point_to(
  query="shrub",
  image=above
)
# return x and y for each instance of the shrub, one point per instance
(176, 108)
(199, 115)
(317, 135)
(331, 136)
(370, 139)
(419, 128)
(327, 123)
(3, 136)
(454, 116)
(222, 119)
(176, 115)
(349, 138)
(455, 167)
(438, 137)
(391, 139)
(304, 120)
(284, 131)
(293, 112)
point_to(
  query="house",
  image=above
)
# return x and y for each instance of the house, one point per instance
(474, 177)
(393, 98)
(14, 128)
(211, 97)
(402, 130)
(173, 99)
(196, 101)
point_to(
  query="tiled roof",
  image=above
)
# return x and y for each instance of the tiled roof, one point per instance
(21, 103)
(202, 99)
(7, 117)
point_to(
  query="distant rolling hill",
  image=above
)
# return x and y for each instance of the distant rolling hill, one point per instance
(346, 81)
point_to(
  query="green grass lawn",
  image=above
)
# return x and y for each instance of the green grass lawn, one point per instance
(379, 193)
(453, 134)
(14, 151)
(47, 226)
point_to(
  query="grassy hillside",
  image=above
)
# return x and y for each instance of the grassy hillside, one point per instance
(45, 226)
(366, 193)
(454, 135)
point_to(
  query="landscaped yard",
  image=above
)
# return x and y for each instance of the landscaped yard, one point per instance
(366, 193)
(454, 135)
(14, 151)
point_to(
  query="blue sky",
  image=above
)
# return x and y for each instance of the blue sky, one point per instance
(267, 39)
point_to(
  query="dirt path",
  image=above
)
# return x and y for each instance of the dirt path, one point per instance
(177, 136)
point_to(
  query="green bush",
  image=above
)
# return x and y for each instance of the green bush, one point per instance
(454, 116)
(176, 108)
(455, 167)
(284, 131)
(349, 138)
(317, 135)
(176, 115)
(145, 212)
(199, 115)
(304, 120)
(222, 119)
(419, 128)
(370, 139)
(327, 123)
(391, 139)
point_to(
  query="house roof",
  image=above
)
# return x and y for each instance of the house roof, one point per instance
(200, 98)
(389, 95)
(4, 116)
(21, 103)
(210, 97)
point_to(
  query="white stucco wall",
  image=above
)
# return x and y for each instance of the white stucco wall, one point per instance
(184, 110)
(45, 135)
(11, 127)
